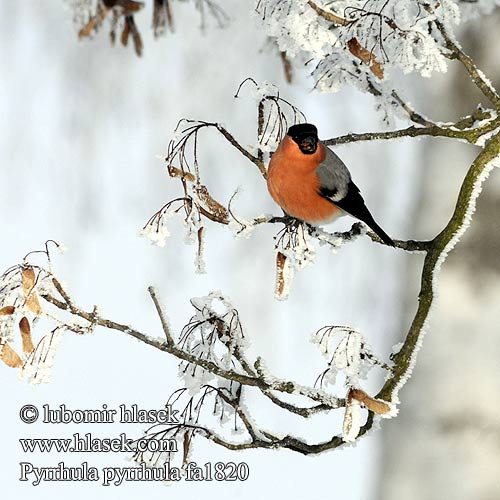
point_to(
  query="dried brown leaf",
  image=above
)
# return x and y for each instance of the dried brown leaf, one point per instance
(7, 310)
(351, 424)
(375, 405)
(10, 357)
(28, 282)
(25, 328)
(329, 16)
(377, 69)
(214, 207)
(359, 51)
(366, 56)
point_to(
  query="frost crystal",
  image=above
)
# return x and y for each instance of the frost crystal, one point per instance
(156, 235)
(347, 351)
(213, 334)
(356, 42)
(352, 421)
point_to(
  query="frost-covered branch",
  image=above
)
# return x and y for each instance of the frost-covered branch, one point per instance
(472, 128)
(212, 351)
(441, 245)
(271, 384)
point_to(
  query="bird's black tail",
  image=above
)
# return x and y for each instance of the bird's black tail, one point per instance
(354, 205)
(380, 232)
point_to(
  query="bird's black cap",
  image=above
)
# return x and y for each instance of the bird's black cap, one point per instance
(303, 130)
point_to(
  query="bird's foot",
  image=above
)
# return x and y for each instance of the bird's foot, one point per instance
(286, 219)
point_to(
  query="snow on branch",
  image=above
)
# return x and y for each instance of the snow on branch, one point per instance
(212, 351)
(355, 42)
(361, 43)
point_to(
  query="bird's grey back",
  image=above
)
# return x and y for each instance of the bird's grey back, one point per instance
(334, 176)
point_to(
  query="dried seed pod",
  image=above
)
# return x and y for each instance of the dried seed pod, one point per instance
(128, 6)
(136, 36)
(284, 276)
(25, 329)
(28, 281)
(352, 420)
(162, 17)
(94, 22)
(218, 211)
(366, 56)
(125, 34)
(10, 357)
(186, 446)
(7, 310)
(375, 405)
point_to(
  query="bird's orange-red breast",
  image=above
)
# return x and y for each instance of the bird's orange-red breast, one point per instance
(294, 184)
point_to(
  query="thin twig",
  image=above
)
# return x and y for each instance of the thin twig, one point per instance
(412, 114)
(161, 314)
(434, 130)
(253, 381)
(303, 412)
(408, 245)
(254, 159)
(477, 76)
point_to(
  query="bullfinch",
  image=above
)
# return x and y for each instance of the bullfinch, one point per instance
(311, 183)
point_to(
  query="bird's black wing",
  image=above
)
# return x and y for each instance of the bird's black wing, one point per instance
(354, 205)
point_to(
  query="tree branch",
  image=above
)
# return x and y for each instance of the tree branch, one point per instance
(463, 129)
(477, 76)
(441, 245)
(303, 412)
(253, 381)
(412, 114)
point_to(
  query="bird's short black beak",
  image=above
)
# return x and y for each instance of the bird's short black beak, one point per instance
(308, 145)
